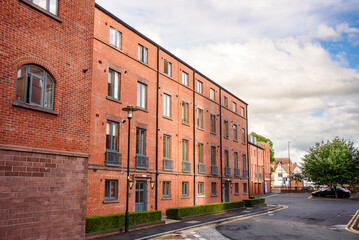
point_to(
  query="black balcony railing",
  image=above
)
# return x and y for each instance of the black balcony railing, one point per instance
(245, 173)
(214, 170)
(167, 164)
(113, 158)
(201, 168)
(186, 166)
(142, 161)
(227, 171)
(237, 172)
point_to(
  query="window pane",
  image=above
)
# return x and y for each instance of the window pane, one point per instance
(166, 67)
(116, 85)
(49, 92)
(140, 52)
(36, 90)
(114, 136)
(53, 6)
(138, 94)
(108, 135)
(145, 55)
(20, 84)
(41, 3)
(118, 39)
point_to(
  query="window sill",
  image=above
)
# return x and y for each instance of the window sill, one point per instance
(36, 108)
(106, 201)
(235, 140)
(40, 9)
(200, 128)
(226, 137)
(166, 117)
(213, 133)
(112, 165)
(113, 99)
(236, 194)
(185, 197)
(201, 196)
(214, 195)
(187, 124)
(142, 109)
(166, 198)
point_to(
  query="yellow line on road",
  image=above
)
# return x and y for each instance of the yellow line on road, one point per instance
(352, 222)
(280, 207)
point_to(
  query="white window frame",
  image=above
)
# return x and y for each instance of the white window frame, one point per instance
(200, 188)
(199, 87)
(116, 41)
(166, 105)
(185, 78)
(142, 53)
(168, 66)
(212, 95)
(141, 95)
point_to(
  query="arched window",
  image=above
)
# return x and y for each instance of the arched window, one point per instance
(35, 86)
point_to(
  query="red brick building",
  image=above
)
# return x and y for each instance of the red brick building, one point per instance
(267, 167)
(45, 85)
(188, 138)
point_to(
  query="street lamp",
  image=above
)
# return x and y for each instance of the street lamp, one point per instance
(129, 109)
(290, 182)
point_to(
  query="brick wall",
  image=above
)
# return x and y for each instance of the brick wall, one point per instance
(42, 193)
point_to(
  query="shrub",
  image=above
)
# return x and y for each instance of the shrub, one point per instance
(252, 197)
(252, 202)
(178, 212)
(111, 221)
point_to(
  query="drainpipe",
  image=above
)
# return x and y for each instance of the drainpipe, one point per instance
(249, 176)
(220, 137)
(194, 138)
(157, 96)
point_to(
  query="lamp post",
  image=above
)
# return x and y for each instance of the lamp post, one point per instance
(290, 182)
(129, 109)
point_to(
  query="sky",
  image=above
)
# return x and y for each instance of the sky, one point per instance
(295, 62)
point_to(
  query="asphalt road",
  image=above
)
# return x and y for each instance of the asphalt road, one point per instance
(303, 219)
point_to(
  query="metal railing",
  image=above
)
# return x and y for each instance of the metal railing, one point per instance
(167, 164)
(214, 169)
(237, 172)
(113, 158)
(201, 168)
(141, 161)
(186, 166)
(227, 171)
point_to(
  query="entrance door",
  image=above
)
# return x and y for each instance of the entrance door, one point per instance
(226, 192)
(140, 204)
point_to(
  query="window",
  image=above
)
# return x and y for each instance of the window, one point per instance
(115, 37)
(234, 107)
(184, 189)
(226, 159)
(244, 162)
(112, 136)
(142, 53)
(140, 141)
(236, 191)
(166, 105)
(235, 160)
(167, 146)
(200, 189)
(141, 95)
(245, 188)
(214, 189)
(225, 101)
(35, 86)
(280, 175)
(111, 189)
(113, 84)
(242, 111)
(48, 5)
(200, 152)
(225, 128)
(184, 112)
(243, 136)
(166, 189)
(213, 123)
(200, 118)
(235, 135)
(199, 86)
(211, 94)
(167, 68)
(213, 155)
(185, 78)
(185, 150)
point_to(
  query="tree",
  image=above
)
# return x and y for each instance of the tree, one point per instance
(332, 163)
(261, 138)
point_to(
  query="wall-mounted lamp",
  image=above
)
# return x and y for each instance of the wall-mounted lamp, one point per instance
(222, 185)
(231, 185)
(152, 184)
(130, 184)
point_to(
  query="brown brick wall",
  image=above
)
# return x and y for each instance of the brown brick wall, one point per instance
(42, 194)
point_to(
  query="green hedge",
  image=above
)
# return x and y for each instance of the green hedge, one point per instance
(253, 201)
(105, 222)
(178, 212)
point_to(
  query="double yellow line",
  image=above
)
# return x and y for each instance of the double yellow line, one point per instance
(355, 220)
(232, 219)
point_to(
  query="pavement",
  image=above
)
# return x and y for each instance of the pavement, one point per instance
(193, 228)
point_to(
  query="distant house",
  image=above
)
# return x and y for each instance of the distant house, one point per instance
(281, 174)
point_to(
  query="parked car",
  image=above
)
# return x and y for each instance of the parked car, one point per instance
(329, 192)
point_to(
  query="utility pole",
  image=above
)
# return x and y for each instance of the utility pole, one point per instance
(290, 182)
